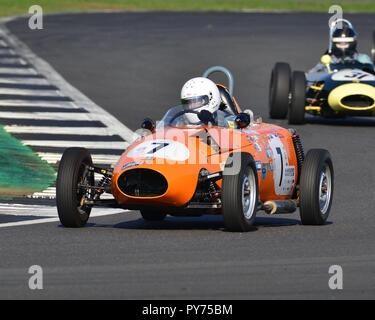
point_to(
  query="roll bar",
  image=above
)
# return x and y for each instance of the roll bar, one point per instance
(224, 70)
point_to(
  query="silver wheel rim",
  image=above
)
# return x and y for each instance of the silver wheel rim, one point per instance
(325, 189)
(248, 194)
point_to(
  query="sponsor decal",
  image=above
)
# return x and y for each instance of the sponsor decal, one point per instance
(269, 153)
(258, 166)
(231, 124)
(131, 164)
(289, 172)
(264, 171)
(256, 145)
(269, 167)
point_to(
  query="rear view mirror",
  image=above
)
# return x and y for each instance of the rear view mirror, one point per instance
(148, 124)
(326, 60)
(242, 120)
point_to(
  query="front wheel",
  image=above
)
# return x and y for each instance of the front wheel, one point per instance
(240, 192)
(316, 187)
(296, 113)
(72, 176)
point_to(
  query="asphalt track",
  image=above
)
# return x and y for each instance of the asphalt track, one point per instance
(133, 65)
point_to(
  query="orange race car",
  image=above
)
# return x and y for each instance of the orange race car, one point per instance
(185, 168)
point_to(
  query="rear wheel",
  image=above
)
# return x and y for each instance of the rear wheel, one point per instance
(279, 91)
(152, 215)
(240, 193)
(298, 100)
(72, 176)
(316, 187)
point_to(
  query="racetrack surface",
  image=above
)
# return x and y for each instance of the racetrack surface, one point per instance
(133, 65)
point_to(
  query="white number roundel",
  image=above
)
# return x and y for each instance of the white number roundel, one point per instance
(160, 148)
(351, 75)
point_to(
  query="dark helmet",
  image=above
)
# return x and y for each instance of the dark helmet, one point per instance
(344, 42)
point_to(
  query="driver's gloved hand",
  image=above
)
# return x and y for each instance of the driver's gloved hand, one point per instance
(206, 116)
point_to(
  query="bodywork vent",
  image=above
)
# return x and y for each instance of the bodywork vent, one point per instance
(357, 101)
(142, 183)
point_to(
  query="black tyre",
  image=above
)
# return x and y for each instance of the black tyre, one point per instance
(152, 215)
(279, 91)
(73, 170)
(316, 187)
(240, 192)
(296, 113)
(373, 47)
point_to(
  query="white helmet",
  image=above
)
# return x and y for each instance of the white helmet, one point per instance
(200, 94)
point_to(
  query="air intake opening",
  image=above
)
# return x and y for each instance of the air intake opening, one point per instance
(357, 101)
(142, 183)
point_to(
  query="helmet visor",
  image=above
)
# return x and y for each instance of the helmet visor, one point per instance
(343, 42)
(195, 102)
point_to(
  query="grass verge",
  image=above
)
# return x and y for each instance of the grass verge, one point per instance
(13, 7)
(22, 172)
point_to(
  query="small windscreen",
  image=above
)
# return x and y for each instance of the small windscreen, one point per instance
(195, 102)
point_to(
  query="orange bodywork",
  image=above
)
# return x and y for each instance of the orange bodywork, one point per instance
(180, 153)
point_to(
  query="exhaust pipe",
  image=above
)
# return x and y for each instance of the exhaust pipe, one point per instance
(280, 206)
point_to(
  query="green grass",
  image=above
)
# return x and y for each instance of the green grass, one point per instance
(22, 172)
(13, 7)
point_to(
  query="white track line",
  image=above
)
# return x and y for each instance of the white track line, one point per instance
(14, 60)
(39, 103)
(43, 103)
(118, 145)
(25, 81)
(60, 130)
(19, 71)
(46, 116)
(33, 92)
(50, 192)
(3, 43)
(95, 213)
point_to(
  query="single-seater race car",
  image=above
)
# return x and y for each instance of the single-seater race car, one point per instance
(182, 168)
(340, 85)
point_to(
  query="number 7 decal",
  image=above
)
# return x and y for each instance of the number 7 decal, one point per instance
(159, 145)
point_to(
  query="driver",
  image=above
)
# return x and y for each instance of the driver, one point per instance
(199, 94)
(344, 47)
(343, 50)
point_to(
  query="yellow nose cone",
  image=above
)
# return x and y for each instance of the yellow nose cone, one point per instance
(352, 96)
